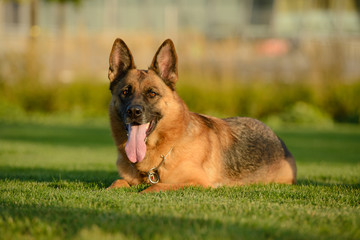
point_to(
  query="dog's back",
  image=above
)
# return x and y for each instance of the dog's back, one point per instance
(256, 154)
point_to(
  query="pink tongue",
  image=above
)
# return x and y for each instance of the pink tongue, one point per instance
(135, 146)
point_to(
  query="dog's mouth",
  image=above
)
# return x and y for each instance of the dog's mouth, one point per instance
(151, 127)
(136, 143)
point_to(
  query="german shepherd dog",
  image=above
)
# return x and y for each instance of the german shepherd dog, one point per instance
(160, 142)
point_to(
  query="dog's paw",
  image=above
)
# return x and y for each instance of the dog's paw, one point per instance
(119, 183)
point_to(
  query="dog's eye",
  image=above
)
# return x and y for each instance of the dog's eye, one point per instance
(152, 94)
(125, 92)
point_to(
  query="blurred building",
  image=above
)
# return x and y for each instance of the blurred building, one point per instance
(213, 18)
(242, 37)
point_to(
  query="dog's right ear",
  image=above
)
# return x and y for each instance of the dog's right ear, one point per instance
(165, 63)
(120, 61)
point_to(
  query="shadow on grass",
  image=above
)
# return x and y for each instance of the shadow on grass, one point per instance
(72, 222)
(103, 178)
(64, 135)
(100, 178)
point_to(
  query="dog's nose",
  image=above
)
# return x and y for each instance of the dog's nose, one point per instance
(135, 111)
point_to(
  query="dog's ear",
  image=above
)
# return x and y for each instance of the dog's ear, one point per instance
(165, 63)
(120, 61)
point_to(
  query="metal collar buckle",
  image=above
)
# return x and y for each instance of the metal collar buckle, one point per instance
(153, 174)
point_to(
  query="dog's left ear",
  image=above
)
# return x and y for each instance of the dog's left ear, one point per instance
(165, 63)
(120, 61)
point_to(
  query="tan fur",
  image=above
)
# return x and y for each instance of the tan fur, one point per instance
(198, 143)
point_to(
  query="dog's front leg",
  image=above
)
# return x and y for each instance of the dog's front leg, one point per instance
(163, 187)
(119, 183)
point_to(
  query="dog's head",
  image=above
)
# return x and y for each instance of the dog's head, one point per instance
(142, 98)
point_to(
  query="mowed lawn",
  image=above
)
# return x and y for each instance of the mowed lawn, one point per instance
(53, 179)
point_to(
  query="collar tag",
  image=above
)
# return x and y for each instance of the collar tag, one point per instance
(153, 175)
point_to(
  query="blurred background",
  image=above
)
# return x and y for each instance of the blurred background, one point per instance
(284, 62)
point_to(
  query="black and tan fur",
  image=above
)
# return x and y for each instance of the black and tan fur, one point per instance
(206, 151)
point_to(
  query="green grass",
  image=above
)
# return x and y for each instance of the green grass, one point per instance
(53, 177)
